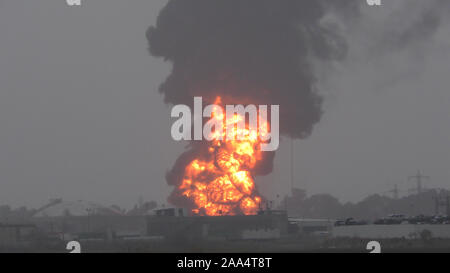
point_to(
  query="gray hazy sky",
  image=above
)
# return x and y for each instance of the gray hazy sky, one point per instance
(80, 117)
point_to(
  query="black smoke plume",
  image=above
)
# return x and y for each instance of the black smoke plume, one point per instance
(253, 51)
(248, 52)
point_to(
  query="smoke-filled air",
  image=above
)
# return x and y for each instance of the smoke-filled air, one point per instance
(243, 52)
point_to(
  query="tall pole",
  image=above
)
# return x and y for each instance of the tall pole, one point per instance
(447, 205)
(436, 205)
(292, 165)
(395, 192)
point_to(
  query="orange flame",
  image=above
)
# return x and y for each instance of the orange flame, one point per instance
(223, 184)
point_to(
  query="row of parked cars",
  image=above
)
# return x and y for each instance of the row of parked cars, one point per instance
(398, 219)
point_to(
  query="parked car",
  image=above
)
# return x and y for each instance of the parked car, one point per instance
(393, 219)
(349, 222)
(440, 220)
(421, 219)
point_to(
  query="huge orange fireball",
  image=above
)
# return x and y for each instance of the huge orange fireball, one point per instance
(223, 183)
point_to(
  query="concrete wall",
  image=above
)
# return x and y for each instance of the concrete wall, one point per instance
(261, 234)
(390, 231)
(313, 225)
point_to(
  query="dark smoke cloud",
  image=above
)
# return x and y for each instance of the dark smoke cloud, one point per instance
(248, 52)
(260, 52)
(414, 23)
(253, 51)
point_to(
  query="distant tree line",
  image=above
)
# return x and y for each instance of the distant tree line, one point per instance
(370, 208)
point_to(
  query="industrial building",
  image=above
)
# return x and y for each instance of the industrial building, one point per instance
(69, 220)
(12, 235)
(172, 224)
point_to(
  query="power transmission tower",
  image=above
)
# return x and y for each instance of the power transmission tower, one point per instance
(395, 192)
(419, 178)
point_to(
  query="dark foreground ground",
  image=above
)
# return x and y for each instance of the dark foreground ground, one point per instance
(294, 245)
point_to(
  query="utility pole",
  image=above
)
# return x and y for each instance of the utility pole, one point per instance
(395, 192)
(419, 178)
(292, 166)
(437, 204)
(447, 205)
